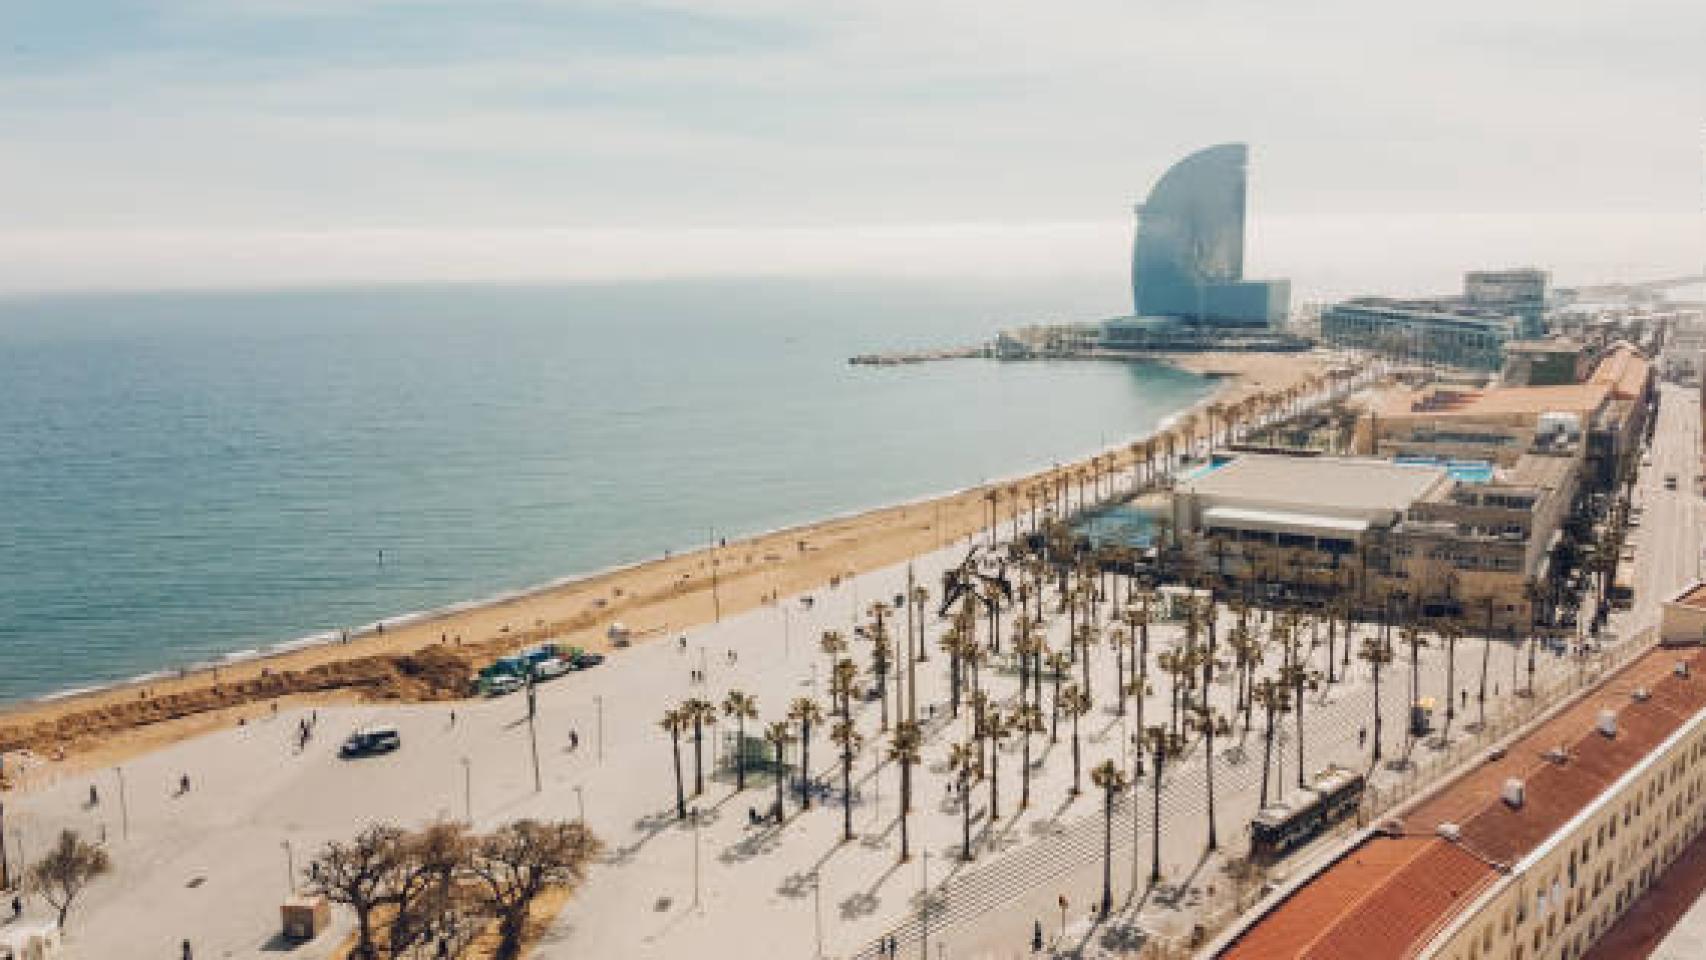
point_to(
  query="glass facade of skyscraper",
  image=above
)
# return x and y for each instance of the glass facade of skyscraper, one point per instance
(1188, 258)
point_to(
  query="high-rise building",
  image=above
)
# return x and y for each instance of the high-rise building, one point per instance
(1188, 258)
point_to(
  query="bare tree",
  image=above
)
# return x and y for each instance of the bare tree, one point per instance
(362, 875)
(520, 861)
(66, 871)
(426, 887)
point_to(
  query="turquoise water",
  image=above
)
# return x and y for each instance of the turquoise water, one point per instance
(183, 476)
(1467, 471)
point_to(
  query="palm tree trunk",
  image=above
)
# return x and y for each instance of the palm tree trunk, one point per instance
(906, 803)
(698, 757)
(1208, 758)
(994, 780)
(846, 794)
(1107, 851)
(1077, 782)
(805, 766)
(1299, 698)
(740, 754)
(1267, 753)
(680, 789)
(1025, 774)
(965, 819)
(1155, 820)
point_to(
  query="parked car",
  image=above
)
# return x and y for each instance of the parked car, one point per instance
(550, 669)
(1670, 481)
(584, 659)
(370, 741)
(501, 684)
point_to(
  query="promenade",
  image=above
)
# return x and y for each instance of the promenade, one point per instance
(212, 864)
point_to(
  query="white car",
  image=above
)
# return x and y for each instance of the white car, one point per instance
(549, 669)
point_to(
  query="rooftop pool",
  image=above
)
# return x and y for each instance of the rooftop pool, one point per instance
(1467, 471)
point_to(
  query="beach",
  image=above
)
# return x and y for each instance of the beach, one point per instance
(428, 657)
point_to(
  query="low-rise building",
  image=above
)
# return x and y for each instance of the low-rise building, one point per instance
(1430, 331)
(1453, 538)
(1529, 856)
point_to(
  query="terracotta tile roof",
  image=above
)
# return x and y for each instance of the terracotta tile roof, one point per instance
(1390, 894)
(1310, 920)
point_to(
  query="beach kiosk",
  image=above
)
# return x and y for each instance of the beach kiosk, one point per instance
(305, 917)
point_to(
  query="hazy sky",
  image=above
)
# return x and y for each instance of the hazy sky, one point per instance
(231, 142)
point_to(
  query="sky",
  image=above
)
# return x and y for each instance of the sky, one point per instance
(231, 143)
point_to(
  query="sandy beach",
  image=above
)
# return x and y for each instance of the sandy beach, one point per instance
(429, 658)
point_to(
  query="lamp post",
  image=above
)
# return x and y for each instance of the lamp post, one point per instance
(5, 864)
(817, 910)
(598, 701)
(580, 799)
(468, 790)
(289, 868)
(696, 905)
(532, 730)
(123, 805)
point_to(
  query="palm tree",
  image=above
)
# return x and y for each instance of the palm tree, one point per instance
(1113, 782)
(778, 733)
(1076, 704)
(849, 740)
(1275, 698)
(699, 712)
(963, 760)
(904, 746)
(843, 687)
(1377, 651)
(1057, 662)
(1486, 658)
(1026, 720)
(1161, 744)
(805, 712)
(675, 721)
(1411, 636)
(1208, 721)
(1137, 617)
(741, 707)
(996, 728)
(1117, 639)
(1450, 633)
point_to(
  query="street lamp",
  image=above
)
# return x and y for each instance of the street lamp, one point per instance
(289, 868)
(598, 701)
(580, 798)
(123, 804)
(468, 790)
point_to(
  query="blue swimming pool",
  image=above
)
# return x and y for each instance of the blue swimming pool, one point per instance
(1468, 471)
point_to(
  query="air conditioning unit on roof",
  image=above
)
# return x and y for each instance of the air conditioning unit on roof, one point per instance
(1513, 793)
(1608, 722)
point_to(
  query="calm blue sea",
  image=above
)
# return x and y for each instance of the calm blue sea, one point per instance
(187, 475)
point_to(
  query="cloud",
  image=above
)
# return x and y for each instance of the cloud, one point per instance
(266, 118)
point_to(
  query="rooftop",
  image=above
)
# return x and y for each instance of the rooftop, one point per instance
(1390, 894)
(1403, 403)
(1693, 595)
(1623, 369)
(1308, 483)
(1563, 346)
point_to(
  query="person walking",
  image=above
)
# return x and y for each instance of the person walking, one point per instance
(188, 954)
(94, 796)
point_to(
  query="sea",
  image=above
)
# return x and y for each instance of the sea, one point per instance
(192, 476)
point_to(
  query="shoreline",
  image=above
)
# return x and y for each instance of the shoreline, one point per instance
(652, 596)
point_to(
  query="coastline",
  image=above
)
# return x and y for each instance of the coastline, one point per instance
(418, 655)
